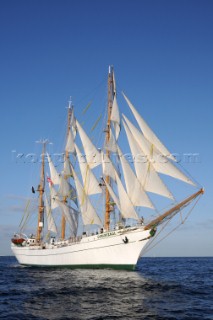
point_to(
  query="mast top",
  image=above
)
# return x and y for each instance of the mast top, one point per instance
(111, 69)
(44, 141)
(70, 103)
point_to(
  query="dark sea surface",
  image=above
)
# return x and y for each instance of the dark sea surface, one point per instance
(160, 288)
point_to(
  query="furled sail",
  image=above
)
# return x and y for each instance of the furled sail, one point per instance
(90, 182)
(145, 172)
(89, 215)
(134, 189)
(50, 221)
(160, 163)
(53, 172)
(92, 154)
(148, 133)
(71, 215)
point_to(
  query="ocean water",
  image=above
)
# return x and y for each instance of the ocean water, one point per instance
(160, 288)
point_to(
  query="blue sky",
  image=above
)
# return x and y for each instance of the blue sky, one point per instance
(162, 53)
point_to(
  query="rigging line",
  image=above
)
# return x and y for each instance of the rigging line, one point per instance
(101, 133)
(87, 107)
(47, 235)
(169, 221)
(192, 178)
(28, 212)
(96, 122)
(25, 221)
(25, 211)
(186, 217)
(93, 92)
(153, 240)
(86, 181)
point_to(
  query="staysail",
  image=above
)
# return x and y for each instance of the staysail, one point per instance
(160, 163)
(134, 189)
(145, 171)
(148, 133)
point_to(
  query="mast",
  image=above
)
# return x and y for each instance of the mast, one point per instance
(171, 212)
(41, 192)
(63, 220)
(107, 178)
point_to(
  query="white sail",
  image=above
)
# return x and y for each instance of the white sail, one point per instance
(73, 124)
(67, 167)
(165, 166)
(134, 189)
(108, 167)
(92, 154)
(127, 208)
(160, 163)
(115, 117)
(90, 182)
(53, 172)
(128, 185)
(148, 133)
(67, 190)
(89, 215)
(70, 143)
(113, 196)
(50, 221)
(114, 83)
(111, 145)
(53, 197)
(145, 172)
(71, 216)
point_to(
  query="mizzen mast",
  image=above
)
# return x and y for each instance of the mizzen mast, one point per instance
(63, 220)
(107, 178)
(41, 192)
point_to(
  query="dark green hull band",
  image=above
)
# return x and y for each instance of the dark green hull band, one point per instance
(88, 266)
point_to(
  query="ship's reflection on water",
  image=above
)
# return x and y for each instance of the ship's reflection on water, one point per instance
(86, 294)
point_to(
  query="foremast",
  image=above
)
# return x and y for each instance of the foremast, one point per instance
(107, 178)
(41, 187)
(63, 219)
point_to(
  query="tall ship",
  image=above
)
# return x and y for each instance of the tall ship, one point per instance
(99, 211)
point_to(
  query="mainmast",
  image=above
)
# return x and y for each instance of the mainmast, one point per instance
(41, 192)
(63, 220)
(107, 178)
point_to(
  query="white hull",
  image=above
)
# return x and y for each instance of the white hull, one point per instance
(98, 251)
